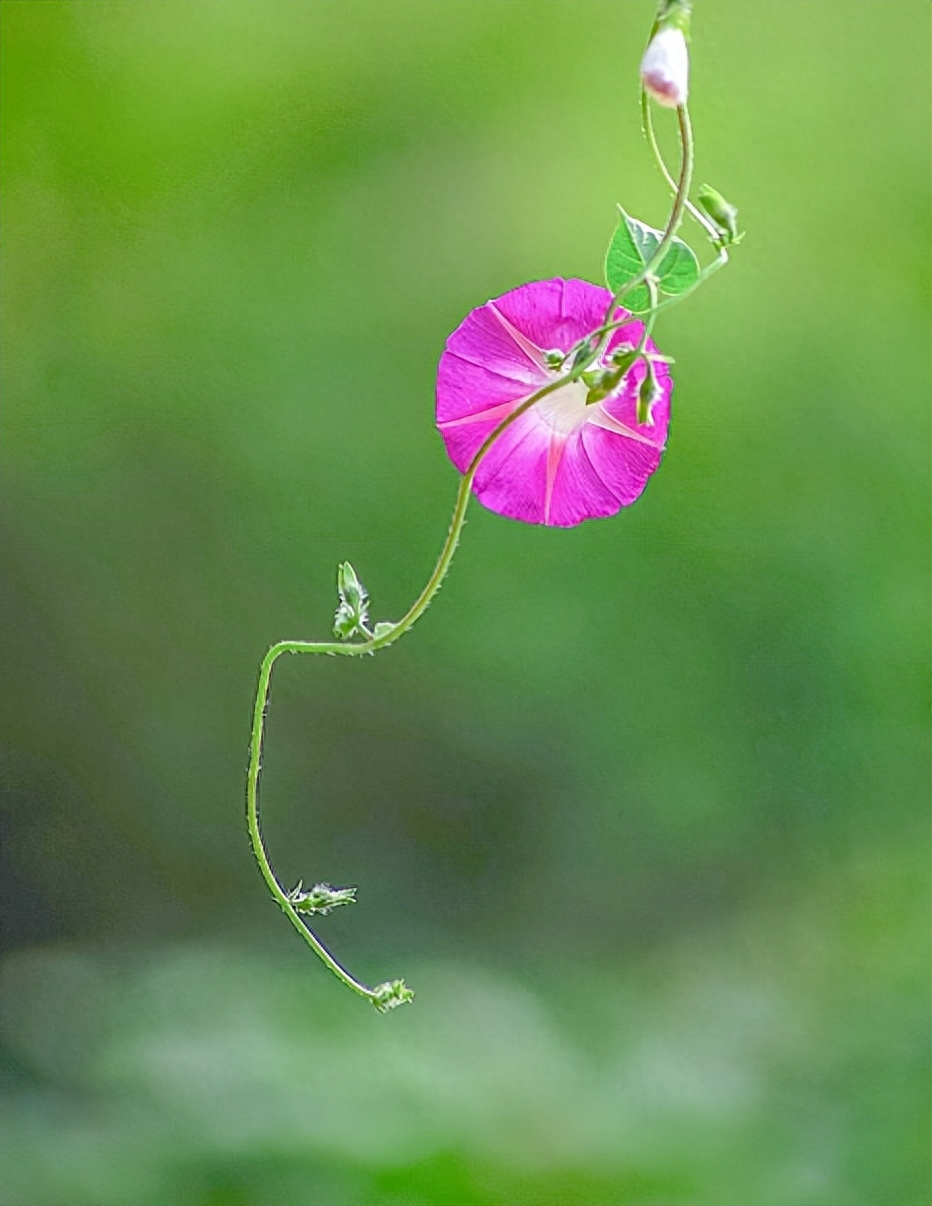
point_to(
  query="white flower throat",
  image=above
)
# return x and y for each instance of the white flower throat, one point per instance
(565, 409)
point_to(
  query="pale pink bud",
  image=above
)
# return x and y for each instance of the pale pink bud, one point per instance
(665, 68)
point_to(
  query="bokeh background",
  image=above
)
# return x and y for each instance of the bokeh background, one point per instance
(640, 809)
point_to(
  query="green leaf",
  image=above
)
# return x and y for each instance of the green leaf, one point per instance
(631, 250)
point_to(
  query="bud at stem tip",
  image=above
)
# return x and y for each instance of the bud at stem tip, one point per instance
(665, 68)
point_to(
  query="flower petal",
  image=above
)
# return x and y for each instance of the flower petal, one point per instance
(561, 462)
(555, 314)
(483, 342)
(622, 464)
(578, 492)
(464, 437)
(512, 478)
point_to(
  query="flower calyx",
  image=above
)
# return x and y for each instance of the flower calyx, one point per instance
(352, 614)
(675, 14)
(602, 382)
(319, 899)
(584, 352)
(390, 995)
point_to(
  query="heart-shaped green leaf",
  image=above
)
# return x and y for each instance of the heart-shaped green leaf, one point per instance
(632, 248)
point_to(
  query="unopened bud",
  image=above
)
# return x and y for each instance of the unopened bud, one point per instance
(351, 589)
(352, 615)
(665, 68)
(390, 995)
(603, 382)
(722, 213)
(321, 898)
(647, 396)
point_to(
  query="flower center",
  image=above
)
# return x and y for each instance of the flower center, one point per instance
(565, 409)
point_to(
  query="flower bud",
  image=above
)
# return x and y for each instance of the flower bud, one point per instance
(648, 394)
(351, 590)
(390, 995)
(321, 898)
(665, 68)
(722, 213)
(352, 615)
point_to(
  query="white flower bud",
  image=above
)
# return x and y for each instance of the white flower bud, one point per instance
(665, 68)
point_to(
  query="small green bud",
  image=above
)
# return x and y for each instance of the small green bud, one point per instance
(390, 995)
(623, 361)
(624, 356)
(554, 360)
(351, 589)
(352, 613)
(648, 394)
(722, 213)
(603, 382)
(583, 353)
(321, 898)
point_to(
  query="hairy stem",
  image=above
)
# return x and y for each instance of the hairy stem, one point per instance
(598, 339)
(647, 124)
(355, 649)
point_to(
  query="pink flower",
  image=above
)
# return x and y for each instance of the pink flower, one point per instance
(562, 461)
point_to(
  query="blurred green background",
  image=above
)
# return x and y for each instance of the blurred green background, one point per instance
(641, 808)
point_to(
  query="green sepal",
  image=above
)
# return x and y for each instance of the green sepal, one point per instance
(675, 14)
(602, 382)
(320, 899)
(344, 622)
(352, 613)
(391, 994)
(631, 250)
(584, 352)
(351, 589)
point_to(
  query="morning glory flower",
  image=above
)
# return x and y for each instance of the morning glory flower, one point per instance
(563, 460)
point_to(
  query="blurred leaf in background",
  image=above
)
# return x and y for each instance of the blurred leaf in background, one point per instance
(645, 822)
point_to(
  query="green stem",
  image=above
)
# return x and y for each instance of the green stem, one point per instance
(347, 649)
(252, 808)
(598, 339)
(647, 124)
(651, 316)
(680, 201)
(703, 276)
